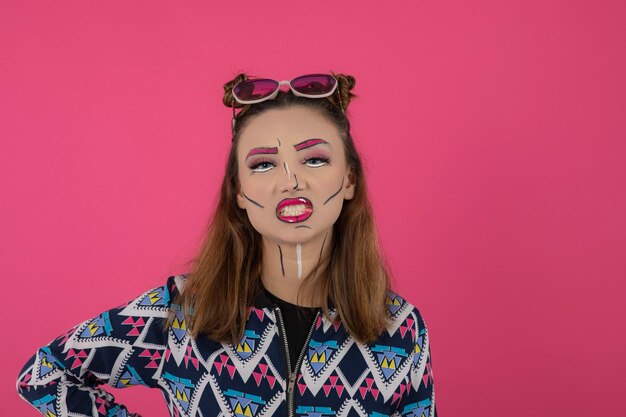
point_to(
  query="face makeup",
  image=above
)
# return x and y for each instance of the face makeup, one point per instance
(335, 194)
(282, 265)
(308, 143)
(293, 160)
(287, 170)
(262, 150)
(251, 200)
(299, 259)
(322, 248)
(294, 210)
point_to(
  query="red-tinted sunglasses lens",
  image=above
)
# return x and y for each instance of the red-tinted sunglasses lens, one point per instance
(314, 84)
(254, 89)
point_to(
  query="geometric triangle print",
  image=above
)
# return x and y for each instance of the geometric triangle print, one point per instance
(129, 378)
(242, 404)
(419, 409)
(389, 359)
(159, 297)
(245, 348)
(97, 326)
(47, 363)
(45, 405)
(394, 302)
(182, 388)
(319, 354)
(387, 362)
(136, 325)
(310, 411)
(179, 326)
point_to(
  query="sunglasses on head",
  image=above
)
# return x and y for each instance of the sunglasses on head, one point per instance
(260, 89)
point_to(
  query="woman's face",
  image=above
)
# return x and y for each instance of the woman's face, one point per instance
(293, 175)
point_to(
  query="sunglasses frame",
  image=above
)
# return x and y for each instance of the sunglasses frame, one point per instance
(275, 93)
(288, 83)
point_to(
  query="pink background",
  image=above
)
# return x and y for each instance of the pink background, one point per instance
(493, 134)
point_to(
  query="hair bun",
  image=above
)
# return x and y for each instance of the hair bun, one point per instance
(228, 90)
(346, 83)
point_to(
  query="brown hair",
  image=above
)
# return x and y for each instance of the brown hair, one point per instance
(226, 273)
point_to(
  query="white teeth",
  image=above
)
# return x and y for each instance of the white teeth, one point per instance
(293, 210)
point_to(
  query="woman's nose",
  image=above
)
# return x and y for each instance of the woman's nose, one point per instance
(291, 180)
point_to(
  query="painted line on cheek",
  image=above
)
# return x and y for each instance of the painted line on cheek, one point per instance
(282, 266)
(299, 256)
(251, 200)
(279, 144)
(295, 187)
(334, 195)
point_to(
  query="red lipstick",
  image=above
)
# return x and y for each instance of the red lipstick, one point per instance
(294, 210)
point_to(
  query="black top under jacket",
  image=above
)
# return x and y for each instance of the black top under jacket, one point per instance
(298, 321)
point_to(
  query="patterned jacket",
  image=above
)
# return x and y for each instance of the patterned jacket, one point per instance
(128, 346)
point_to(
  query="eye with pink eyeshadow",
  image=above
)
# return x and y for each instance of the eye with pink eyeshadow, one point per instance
(261, 164)
(321, 158)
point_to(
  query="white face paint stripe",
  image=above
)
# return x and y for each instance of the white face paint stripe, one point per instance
(287, 169)
(299, 256)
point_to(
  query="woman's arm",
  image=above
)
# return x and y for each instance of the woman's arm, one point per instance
(419, 399)
(121, 347)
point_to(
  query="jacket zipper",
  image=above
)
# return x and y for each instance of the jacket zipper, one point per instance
(291, 377)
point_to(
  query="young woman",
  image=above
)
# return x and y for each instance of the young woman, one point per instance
(287, 309)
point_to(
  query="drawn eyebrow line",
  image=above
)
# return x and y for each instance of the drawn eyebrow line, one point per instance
(308, 143)
(262, 150)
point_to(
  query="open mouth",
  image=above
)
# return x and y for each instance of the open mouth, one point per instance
(294, 210)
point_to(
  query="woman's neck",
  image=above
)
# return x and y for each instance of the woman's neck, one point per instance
(286, 265)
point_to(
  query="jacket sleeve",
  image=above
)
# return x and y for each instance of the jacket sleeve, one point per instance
(419, 398)
(121, 347)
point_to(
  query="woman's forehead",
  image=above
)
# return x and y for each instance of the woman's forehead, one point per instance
(290, 126)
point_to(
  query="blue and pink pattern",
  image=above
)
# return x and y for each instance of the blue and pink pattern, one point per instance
(129, 346)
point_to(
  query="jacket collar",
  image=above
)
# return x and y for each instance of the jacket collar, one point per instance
(261, 300)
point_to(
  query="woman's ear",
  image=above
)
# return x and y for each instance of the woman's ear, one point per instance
(350, 185)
